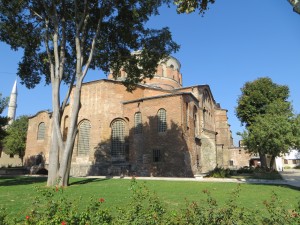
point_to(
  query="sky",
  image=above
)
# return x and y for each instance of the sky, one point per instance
(234, 42)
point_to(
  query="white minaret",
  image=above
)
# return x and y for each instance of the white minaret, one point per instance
(12, 106)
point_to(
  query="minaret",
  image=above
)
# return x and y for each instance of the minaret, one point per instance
(12, 106)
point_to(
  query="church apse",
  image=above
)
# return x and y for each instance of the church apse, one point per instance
(150, 153)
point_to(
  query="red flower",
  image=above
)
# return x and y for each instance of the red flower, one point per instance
(27, 217)
(101, 200)
(63, 223)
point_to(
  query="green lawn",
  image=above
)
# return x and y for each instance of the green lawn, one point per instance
(18, 193)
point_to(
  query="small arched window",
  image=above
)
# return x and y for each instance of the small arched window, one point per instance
(84, 138)
(118, 138)
(65, 131)
(41, 131)
(161, 120)
(138, 127)
(196, 122)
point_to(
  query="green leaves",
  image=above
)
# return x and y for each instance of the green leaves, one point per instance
(3, 120)
(268, 115)
(257, 96)
(15, 141)
(189, 6)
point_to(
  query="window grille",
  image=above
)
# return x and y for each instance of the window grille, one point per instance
(138, 128)
(84, 138)
(41, 131)
(156, 155)
(118, 138)
(230, 162)
(162, 120)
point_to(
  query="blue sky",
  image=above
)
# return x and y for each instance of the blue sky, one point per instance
(235, 42)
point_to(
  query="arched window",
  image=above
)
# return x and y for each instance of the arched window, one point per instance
(187, 115)
(84, 138)
(138, 127)
(41, 131)
(161, 120)
(65, 131)
(118, 139)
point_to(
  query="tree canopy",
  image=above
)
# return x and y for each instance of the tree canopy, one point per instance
(15, 141)
(268, 115)
(257, 96)
(111, 30)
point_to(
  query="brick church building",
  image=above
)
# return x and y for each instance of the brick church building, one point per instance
(160, 129)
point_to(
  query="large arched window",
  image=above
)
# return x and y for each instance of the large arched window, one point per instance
(138, 127)
(161, 120)
(118, 138)
(41, 131)
(84, 138)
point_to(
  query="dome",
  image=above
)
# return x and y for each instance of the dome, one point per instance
(167, 75)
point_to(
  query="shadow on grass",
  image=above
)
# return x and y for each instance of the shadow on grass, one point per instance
(86, 180)
(21, 180)
(277, 185)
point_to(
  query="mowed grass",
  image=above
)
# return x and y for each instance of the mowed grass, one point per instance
(18, 193)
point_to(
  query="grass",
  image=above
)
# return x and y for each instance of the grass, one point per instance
(18, 193)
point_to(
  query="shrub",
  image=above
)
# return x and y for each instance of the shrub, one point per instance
(144, 207)
(211, 213)
(245, 170)
(219, 172)
(52, 207)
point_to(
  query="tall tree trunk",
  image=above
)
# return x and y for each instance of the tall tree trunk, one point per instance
(65, 165)
(272, 161)
(263, 160)
(54, 148)
(53, 160)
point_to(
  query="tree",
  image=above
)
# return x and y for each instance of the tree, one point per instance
(62, 40)
(257, 96)
(15, 141)
(268, 115)
(296, 5)
(3, 120)
(271, 133)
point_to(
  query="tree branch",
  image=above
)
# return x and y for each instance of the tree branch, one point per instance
(87, 65)
(46, 40)
(63, 106)
(63, 41)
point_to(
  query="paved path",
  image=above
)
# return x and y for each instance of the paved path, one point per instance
(291, 176)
